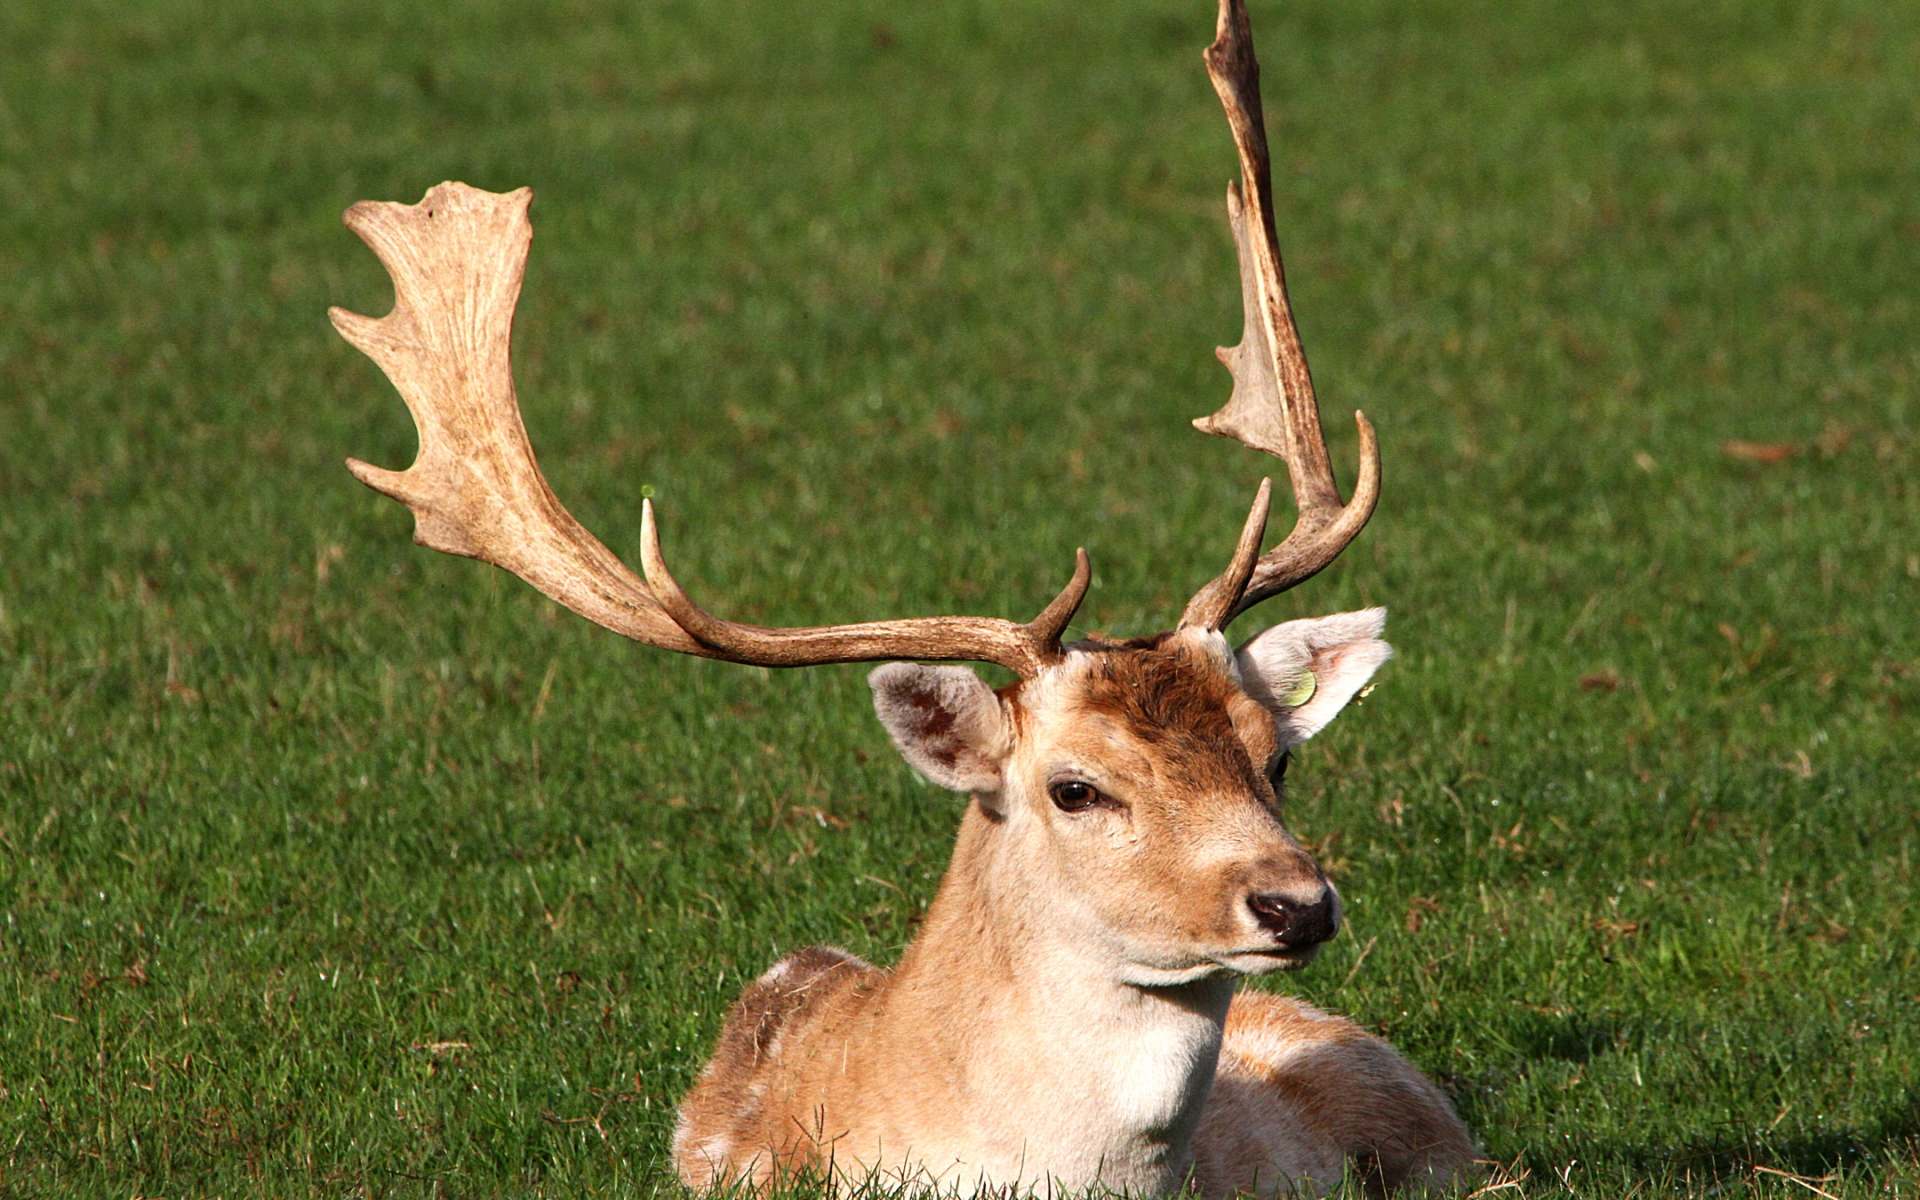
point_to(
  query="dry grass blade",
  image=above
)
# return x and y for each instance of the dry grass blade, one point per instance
(1806, 1181)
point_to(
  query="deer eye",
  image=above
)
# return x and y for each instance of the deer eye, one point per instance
(1073, 795)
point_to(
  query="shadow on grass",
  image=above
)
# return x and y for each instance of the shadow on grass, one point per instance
(1574, 1039)
(1704, 1156)
(1802, 1154)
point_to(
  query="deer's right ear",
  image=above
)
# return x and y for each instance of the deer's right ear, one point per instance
(945, 721)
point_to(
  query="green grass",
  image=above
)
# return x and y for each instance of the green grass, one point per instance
(892, 306)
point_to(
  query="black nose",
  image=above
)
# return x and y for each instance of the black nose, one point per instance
(1292, 923)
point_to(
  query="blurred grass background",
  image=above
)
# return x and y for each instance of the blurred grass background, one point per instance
(333, 866)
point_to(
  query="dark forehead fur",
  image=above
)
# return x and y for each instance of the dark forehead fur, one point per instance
(1171, 697)
(1155, 685)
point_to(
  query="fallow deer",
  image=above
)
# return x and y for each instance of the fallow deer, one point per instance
(1067, 1015)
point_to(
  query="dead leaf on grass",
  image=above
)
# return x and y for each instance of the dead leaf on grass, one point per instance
(1760, 452)
(1322, 849)
(1510, 841)
(1831, 934)
(818, 816)
(1834, 438)
(1419, 908)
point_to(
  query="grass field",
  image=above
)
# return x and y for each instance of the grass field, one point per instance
(333, 866)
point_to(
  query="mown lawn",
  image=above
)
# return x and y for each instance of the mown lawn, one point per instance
(331, 866)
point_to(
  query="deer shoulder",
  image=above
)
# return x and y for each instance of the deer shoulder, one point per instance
(739, 1113)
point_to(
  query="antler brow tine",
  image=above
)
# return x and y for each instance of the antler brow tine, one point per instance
(457, 259)
(1272, 408)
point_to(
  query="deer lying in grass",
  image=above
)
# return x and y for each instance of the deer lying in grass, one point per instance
(1067, 1015)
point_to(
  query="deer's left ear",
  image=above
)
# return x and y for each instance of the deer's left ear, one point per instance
(1305, 671)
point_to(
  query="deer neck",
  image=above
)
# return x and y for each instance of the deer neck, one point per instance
(1060, 1068)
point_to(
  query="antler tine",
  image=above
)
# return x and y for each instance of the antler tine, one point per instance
(1212, 606)
(1272, 408)
(457, 259)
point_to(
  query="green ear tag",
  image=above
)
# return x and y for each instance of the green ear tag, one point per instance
(1302, 692)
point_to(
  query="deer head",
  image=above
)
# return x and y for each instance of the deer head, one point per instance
(1134, 783)
(1133, 788)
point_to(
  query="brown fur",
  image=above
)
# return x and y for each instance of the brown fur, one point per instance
(1200, 720)
(1299, 1095)
(1060, 1016)
(1321, 1089)
(738, 1097)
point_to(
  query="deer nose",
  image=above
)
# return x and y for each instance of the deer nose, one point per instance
(1295, 924)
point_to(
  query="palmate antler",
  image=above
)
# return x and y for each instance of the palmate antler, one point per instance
(456, 259)
(1272, 407)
